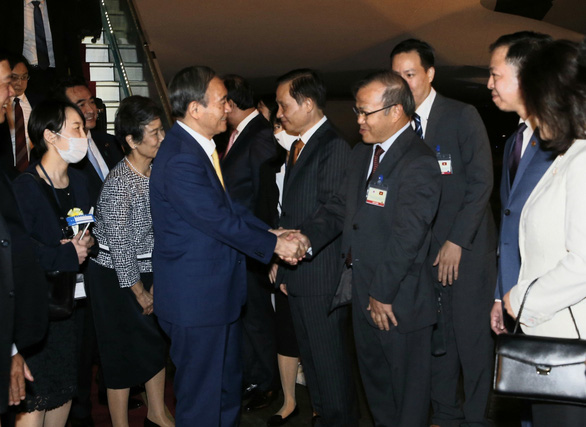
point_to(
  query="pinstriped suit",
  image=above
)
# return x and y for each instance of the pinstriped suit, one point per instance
(312, 284)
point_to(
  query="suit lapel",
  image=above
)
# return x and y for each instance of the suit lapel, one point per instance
(433, 121)
(184, 137)
(386, 167)
(305, 156)
(526, 158)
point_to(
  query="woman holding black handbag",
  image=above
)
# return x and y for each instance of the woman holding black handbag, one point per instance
(552, 229)
(47, 193)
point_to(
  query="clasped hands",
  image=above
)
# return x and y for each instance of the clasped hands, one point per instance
(291, 245)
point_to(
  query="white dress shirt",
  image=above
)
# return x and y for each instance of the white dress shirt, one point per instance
(96, 152)
(29, 47)
(424, 110)
(26, 113)
(208, 145)
(309, 133)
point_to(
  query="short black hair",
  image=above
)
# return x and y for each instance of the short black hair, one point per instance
(49, 114)
(397, 90)
(134, 113)
(5, 55)
(239, 91)
(520, 45)
(424, 50)
(188, 85)
(305, 83)
(60, 89)
(16, 59)
(553, 84)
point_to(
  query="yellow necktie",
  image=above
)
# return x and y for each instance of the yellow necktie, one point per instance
(216, 162)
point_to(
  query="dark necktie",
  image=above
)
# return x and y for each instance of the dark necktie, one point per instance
(40, 38)
(294, 154)
(418, 127)
(378, 151)
(20, 151)
(516, 153)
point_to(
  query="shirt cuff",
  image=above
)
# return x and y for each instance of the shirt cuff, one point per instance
(14, 350)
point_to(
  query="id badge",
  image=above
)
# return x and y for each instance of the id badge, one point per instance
(79, 287)
(376, 194)
(445, 163)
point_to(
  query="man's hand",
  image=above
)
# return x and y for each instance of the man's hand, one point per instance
(283, 288)
(291, 249)
(448, 260)
(19, 371)
(508, 306)
(381, 314)
(497, 323)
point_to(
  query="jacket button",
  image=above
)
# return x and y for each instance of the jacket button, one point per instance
(11, 294)
(507, 212)
(343, 256)
(355, 226)
(283, 213)
(4, 243)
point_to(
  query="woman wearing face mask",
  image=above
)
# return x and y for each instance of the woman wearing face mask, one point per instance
(46, 193)
(287, 350)
(120, 280)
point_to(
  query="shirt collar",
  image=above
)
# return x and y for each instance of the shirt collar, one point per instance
(208, 145)
(425, 107)
(307, 135)
(387, 144)
(246, 120)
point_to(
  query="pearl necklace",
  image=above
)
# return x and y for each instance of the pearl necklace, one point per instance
(136, 170)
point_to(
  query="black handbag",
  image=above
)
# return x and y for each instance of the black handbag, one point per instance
(61, 293)
(540, 368)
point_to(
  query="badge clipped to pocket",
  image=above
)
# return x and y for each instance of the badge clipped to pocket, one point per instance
(376, 194)
(444, 161)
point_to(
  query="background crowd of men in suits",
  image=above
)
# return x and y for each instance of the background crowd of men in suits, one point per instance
(419, 267)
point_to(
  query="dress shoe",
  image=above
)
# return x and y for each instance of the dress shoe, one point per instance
(81, 422)
(149, 423)
(314, 419)
(260, 400)
(249, 390)
(277, 420)
(132, 402)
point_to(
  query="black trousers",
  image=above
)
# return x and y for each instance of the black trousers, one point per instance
(259, 348)
(395, 371)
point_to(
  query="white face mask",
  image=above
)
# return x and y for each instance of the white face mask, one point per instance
(77, 149)
(285, 140)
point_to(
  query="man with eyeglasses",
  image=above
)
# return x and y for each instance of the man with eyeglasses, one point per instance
(463, 248)
(19, 110)
(385, 208)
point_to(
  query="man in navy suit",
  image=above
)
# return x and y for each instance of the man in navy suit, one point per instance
(202, 239)
(520, 175)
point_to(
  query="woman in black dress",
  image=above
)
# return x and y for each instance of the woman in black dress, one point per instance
(120, 281)
(46, 193)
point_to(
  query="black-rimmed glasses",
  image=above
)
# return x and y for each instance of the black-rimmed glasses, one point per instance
(360, 113)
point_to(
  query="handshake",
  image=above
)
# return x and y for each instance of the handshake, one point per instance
(291, 245)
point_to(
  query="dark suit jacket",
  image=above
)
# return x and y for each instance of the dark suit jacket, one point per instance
(23, 293)
(201, 237)
(111, 151)
(241, 166)
(464, 215)
(66, 42)
(389, 244)
(308, 186)
(532, 166)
